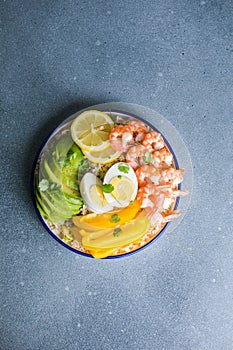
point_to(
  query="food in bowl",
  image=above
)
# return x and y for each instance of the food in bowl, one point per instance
(106, 184)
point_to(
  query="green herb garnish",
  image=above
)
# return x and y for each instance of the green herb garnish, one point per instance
(124, 168)
(54, 186)
(61, 161)
(115, 218)
(43, 185)
(119, 176)
(131, 202)
(147, 157)
(117, 231)
(107, 188)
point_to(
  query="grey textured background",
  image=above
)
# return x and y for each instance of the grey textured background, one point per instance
(172, 56)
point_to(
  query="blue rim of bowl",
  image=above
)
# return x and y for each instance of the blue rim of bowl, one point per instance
(32, 185)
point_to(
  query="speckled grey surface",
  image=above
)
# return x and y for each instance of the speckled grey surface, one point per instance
(172, 56)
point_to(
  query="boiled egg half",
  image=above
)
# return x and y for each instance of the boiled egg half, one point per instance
(92, 194)
(123, 185)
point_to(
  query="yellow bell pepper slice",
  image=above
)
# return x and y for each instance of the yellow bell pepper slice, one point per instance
(111, 219)
(102, 253)
(96, 234)
(77, 221)
(126, 234)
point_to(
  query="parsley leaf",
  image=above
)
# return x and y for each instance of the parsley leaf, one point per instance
(123, 167)
(61, 161)
(107, 188)
(119, 176)
(43, 185)
(54, 186)
(147, 157)
(117, 231)
(115, 218)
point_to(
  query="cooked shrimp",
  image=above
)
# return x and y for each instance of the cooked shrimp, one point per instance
(152, 195)
(171, 176)
(153, 141)
(121, 136)
(162, 158)
(157, 218)
(134, 156)
(139, 129)
(148, 173)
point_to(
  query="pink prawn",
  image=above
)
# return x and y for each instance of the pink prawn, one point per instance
(121, 136)
(157, 218)
(150, 174)
(156, 200)
(153, 141)
(134, 156)
(152, 195)
(162, 158)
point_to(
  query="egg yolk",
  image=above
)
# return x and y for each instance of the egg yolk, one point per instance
(97, 195)
(123, 188)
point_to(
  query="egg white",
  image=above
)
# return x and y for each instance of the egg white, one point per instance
(87, 181)
(114, 172)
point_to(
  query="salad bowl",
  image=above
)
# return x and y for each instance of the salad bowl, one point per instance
(108, 181)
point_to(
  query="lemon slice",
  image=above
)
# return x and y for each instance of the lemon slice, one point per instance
(107, 155)
(123, 188)
(90, 130)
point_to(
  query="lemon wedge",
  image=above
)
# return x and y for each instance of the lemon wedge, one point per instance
(107, 155)
(90, 130)
(123, 188)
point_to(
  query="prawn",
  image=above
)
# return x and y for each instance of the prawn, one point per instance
(134, 156)
(149, 173)
(171, 176)
(121, 136)
(139, 129)
(162, 158)
(157, 218)
(153, 141)
(152, 195)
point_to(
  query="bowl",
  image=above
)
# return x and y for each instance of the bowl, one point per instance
(91, 195)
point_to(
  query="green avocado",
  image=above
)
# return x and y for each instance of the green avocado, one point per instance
(51, 175)
(55, 207)
(57, 189)
(64, 202)
(55, 167)
(56, 178)
(40, 206)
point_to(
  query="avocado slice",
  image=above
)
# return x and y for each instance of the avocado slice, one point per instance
(40, 206)
(62, 147)
(54, 179)
(71, 181)
(55, 205)
(58, 178)
(54, 211)
(60, 200)
(50, 174)
(60, 167)
(55, 167)
(57, 201)
(74, 204)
